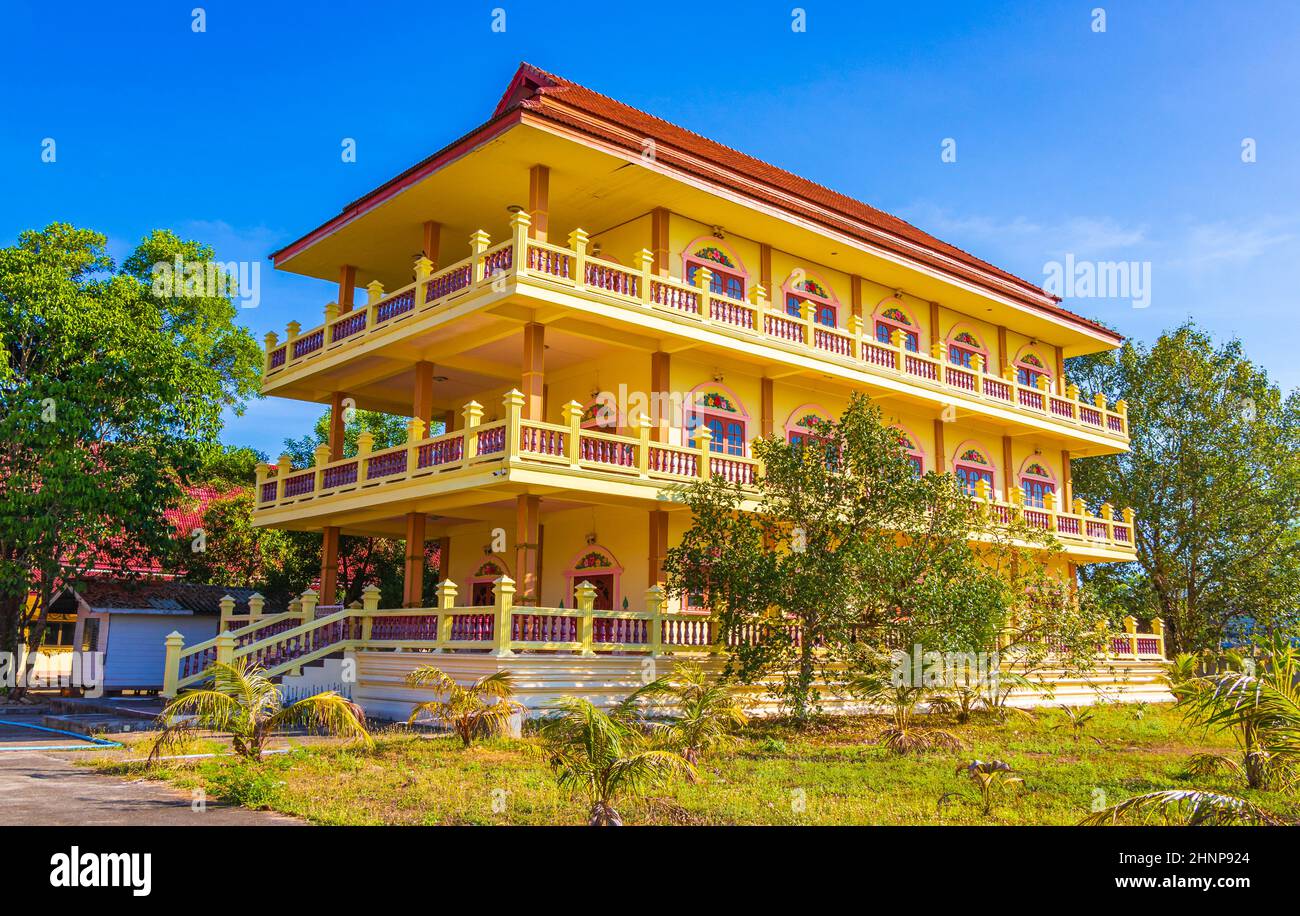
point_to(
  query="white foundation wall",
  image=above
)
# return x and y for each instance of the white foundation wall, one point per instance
(540, 680)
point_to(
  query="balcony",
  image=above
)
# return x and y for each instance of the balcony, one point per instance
(639, 297)
(519, 453)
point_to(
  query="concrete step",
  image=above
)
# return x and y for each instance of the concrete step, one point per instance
(97, 724)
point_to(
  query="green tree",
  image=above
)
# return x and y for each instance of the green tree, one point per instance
(237, 552)
(1214, 476)
(108, 389)
(388, 430)
(228, 465)
(839, 547)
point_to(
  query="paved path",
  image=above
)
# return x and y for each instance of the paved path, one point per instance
(49, 788)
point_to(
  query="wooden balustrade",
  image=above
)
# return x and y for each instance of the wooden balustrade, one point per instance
(522, 258)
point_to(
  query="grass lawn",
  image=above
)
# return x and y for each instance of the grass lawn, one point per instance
(830, 774)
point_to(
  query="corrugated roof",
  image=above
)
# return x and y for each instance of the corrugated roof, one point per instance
(107, 594)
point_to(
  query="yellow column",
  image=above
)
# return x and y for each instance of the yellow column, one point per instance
(504, 597)
(585, 595)
(175, 643)
(446, 601)
(654, 605)
(703, 437)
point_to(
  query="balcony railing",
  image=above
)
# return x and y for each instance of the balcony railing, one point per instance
(517, 442)
(641, 290)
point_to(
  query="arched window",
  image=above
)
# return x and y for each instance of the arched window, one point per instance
(717, 408)
(482, 585)
(1036, 481)
(913, 450)
(890, 316)
(1030, 368)
(971, 465)
(603, 415)
(729, 275)
(962, 348)
(800, 287)
(596, 565)
(801, 426)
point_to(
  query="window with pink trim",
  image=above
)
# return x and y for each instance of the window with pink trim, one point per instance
(724, 420)
(824, 309)
(807, 427)
(601, 416)
(962, 348)
(728, 279)
(891, 319)
(1036, 482)
(597, 566)
(482, 585)
(913, 451)
(1029, 369)
(971, 466)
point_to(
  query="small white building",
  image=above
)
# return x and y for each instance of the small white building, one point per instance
(128, 621)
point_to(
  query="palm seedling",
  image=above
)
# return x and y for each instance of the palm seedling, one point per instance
(705, 714)
(605, 756)
(903, 735)
(990, 778)
(1077, 719)
(1258, 702)
(485, 707)
(243, 702)
(1181, 807)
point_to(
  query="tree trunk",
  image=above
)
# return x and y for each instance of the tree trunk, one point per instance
(602, 814)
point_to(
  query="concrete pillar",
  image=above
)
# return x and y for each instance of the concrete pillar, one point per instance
(658, 545)
(539, 202)
(347, 287)
(422, 397)
(532, 382)
(659, 241)
(413, 578)
(432, 236)
(337, 422)
(329, 564)
(527, 516)
(768, 398)
(660, 402)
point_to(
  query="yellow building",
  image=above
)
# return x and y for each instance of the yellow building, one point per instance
(544, 295)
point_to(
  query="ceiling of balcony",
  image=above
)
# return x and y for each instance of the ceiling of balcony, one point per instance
(595, 189)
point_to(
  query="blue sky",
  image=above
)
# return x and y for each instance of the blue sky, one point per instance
(1117, 145)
